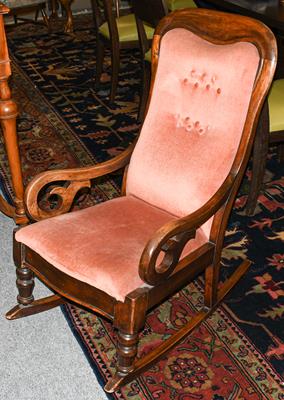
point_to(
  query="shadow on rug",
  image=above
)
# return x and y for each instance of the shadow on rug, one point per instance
(237, 353)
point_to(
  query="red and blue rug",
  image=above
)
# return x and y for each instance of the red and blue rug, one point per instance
(238, 353)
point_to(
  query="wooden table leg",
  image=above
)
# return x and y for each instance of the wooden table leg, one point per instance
(54, 13)
(66, 4)
(69, 23)
(8, 114)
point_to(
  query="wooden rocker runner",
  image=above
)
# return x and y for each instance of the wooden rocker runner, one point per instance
(210, 74)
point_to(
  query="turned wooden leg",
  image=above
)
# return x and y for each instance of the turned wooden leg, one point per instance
(25, 284)
(12, 149)
(69, 26)
(8, 115)
(25, 277)
(129, 319)
(126, 352)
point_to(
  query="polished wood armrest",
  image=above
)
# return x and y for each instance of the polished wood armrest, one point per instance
(171, 238)
(66, 183)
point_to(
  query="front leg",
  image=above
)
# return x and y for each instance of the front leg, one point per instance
(25, 284)
(129, 319)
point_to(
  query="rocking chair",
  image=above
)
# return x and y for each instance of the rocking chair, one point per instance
(120, 258)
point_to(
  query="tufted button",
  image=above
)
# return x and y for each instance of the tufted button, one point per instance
(207, 86)
(218, 90)
(196, 85)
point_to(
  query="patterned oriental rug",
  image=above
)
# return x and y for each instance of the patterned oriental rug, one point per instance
(238, 353)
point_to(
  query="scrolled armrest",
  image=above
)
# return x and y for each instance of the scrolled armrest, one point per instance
(171, 238)
(65, 184)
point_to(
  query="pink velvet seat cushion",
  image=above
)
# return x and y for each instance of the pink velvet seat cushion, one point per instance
(100, 245)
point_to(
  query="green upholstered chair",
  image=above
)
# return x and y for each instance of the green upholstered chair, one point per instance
(150, 12)
(271, 131)
(117, 32)
(177, 4)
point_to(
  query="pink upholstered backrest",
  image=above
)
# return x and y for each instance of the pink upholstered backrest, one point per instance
(195, 120)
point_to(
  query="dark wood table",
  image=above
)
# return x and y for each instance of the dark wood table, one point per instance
(271, 12)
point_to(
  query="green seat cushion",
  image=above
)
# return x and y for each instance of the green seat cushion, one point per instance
(148, 56)
(13, 4)
(127, 30)
(276, 106)
(176, 4)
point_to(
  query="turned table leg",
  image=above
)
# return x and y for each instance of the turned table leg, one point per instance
(53, 4)
(8, 114)
(69, 23)
(66, 4)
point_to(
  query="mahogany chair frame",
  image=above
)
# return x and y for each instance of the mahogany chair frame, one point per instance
(108, 14)
(129, 316)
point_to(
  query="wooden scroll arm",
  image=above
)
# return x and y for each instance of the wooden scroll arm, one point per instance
(171, 238)
(74, 180)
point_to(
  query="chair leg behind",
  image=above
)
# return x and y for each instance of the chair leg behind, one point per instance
(215, 291)
(280, 152)
(25, 284)
(99, 61)
(145, 88)
(260, 151)
(115, 61)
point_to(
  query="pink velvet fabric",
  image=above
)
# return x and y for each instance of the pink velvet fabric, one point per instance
(101, 245)
(193, 127)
